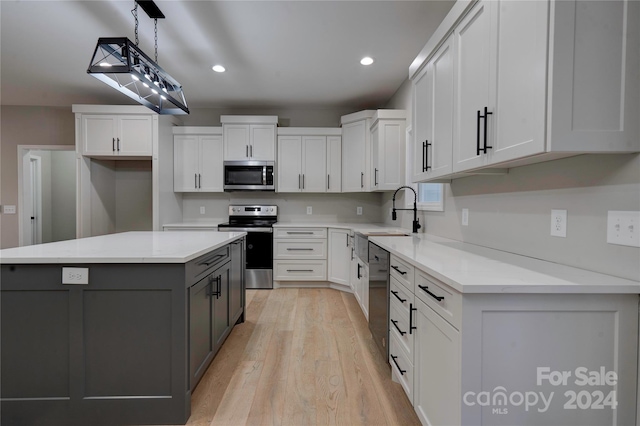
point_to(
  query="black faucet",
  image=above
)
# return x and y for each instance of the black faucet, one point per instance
(416, 223)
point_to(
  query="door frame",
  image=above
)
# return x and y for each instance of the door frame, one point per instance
(24, 150)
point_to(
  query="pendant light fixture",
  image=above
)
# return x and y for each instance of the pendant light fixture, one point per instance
(122, 65)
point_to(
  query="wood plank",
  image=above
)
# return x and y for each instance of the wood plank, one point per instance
(236, 403)
(331, 396)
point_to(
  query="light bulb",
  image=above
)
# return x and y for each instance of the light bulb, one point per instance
(218, 68)
(105, 64)
(366, 60)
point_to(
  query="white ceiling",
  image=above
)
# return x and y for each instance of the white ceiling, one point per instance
(277, 53)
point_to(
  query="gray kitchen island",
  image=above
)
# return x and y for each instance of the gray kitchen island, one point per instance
(116, 329)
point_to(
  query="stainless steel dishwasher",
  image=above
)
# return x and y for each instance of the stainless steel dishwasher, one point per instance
(379, 297)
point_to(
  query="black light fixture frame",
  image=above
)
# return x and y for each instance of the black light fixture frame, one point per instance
(121, 64)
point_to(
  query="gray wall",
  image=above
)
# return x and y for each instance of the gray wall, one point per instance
(513, 212)
(25, 125)
(63, 190)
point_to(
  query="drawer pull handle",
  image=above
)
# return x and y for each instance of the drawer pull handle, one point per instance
(426, 290)
(299, 270)
(395, 293)
(393, 357)
(395, 324)
(212, 260)
(411, 326)
(398, 269)
(299, 233)
(299, 249)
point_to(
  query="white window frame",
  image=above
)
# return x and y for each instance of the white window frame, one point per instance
(436, 206)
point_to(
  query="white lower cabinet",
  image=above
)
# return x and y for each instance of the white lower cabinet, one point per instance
(339, 256)
(436, 392)
(360, 284)
(472, 357)
(300, 254)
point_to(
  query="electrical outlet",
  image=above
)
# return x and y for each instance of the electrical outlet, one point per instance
(9, 209)
(309, 210)
(623, 228)
(465, 217)
(75, 275)
(358, 210)
(202, 210)
(559, 223)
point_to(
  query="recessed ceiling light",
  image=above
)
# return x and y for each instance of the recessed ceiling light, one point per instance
(366, 60)
(218, 68)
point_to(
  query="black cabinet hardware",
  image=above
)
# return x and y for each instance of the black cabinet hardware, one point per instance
(299, 249)
(328, 185)
(195, 180)
(485, 118)
(347, 235)
(113, 144)
(359, 266)
(393, 358)
(395, 293)
(199, 181)
(299, 181)
(212, 260)
(299, 233)
(375, 177)
(425, 159)
(426, 290)
(299, 270)
(118, 144)
(395, 324)
(303, 181)
(251, 150)
(411, 326)
(361, 179)
(398, 269)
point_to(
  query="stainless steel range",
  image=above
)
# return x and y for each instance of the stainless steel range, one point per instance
(257, 222)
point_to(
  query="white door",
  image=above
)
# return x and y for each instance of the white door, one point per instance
(263, 142)
(375, 157)
(473, 60)
(519, 80)
(439, 154)
(211, 177)
(185, 163)
(339, 256)
(422, 122)
(334, 164)
(391, 158)
(437, 369)
(35, 173)
(135, 136)
(236, 141)
(353, 156)
(289, 167)
(99, 134)
(314, 163)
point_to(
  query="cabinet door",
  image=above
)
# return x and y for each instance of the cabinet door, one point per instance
(136, 135)
(422, 121)
(473, 59)
(390, 159)
(236, 284)
(210, 176)
(263, 142)
(437, 369)
(519, 80)
(236, 141)
(314, 163)
(185, 163)
(99, 134)
(289, 167)
(439, 154)
(221, 326)
(201, 345)
(375, 157)
(339, 256)
(334, 164)
(353, 156)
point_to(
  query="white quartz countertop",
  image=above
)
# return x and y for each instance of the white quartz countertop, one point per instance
(468, 268)
(358, 227)
(126, 247)
(204, 225)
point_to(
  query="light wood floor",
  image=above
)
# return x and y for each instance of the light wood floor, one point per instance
(302, 357)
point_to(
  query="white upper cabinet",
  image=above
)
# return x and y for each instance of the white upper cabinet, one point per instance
(249, 137)
(356, 151)
(197, 160)
(307, 160)
(117, 135)
(533, 81)
(388, 150)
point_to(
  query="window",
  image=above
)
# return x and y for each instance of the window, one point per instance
(430, 196)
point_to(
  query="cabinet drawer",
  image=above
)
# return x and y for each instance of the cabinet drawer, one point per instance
(300, 249)
(440, 297)
(299, 232)
(400, 296)
(401, 366)
(402, 271)
(205, 263)
(400, 325)
(300, 270)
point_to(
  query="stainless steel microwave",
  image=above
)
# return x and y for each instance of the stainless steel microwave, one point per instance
(249, 176)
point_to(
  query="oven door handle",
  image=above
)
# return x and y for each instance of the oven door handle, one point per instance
(263, 230)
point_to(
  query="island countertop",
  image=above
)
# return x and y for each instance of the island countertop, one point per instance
(125, 247)
(469, 268)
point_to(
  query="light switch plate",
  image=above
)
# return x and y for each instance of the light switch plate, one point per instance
(623, 228)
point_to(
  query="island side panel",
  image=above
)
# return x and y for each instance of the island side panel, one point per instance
(113, 351)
